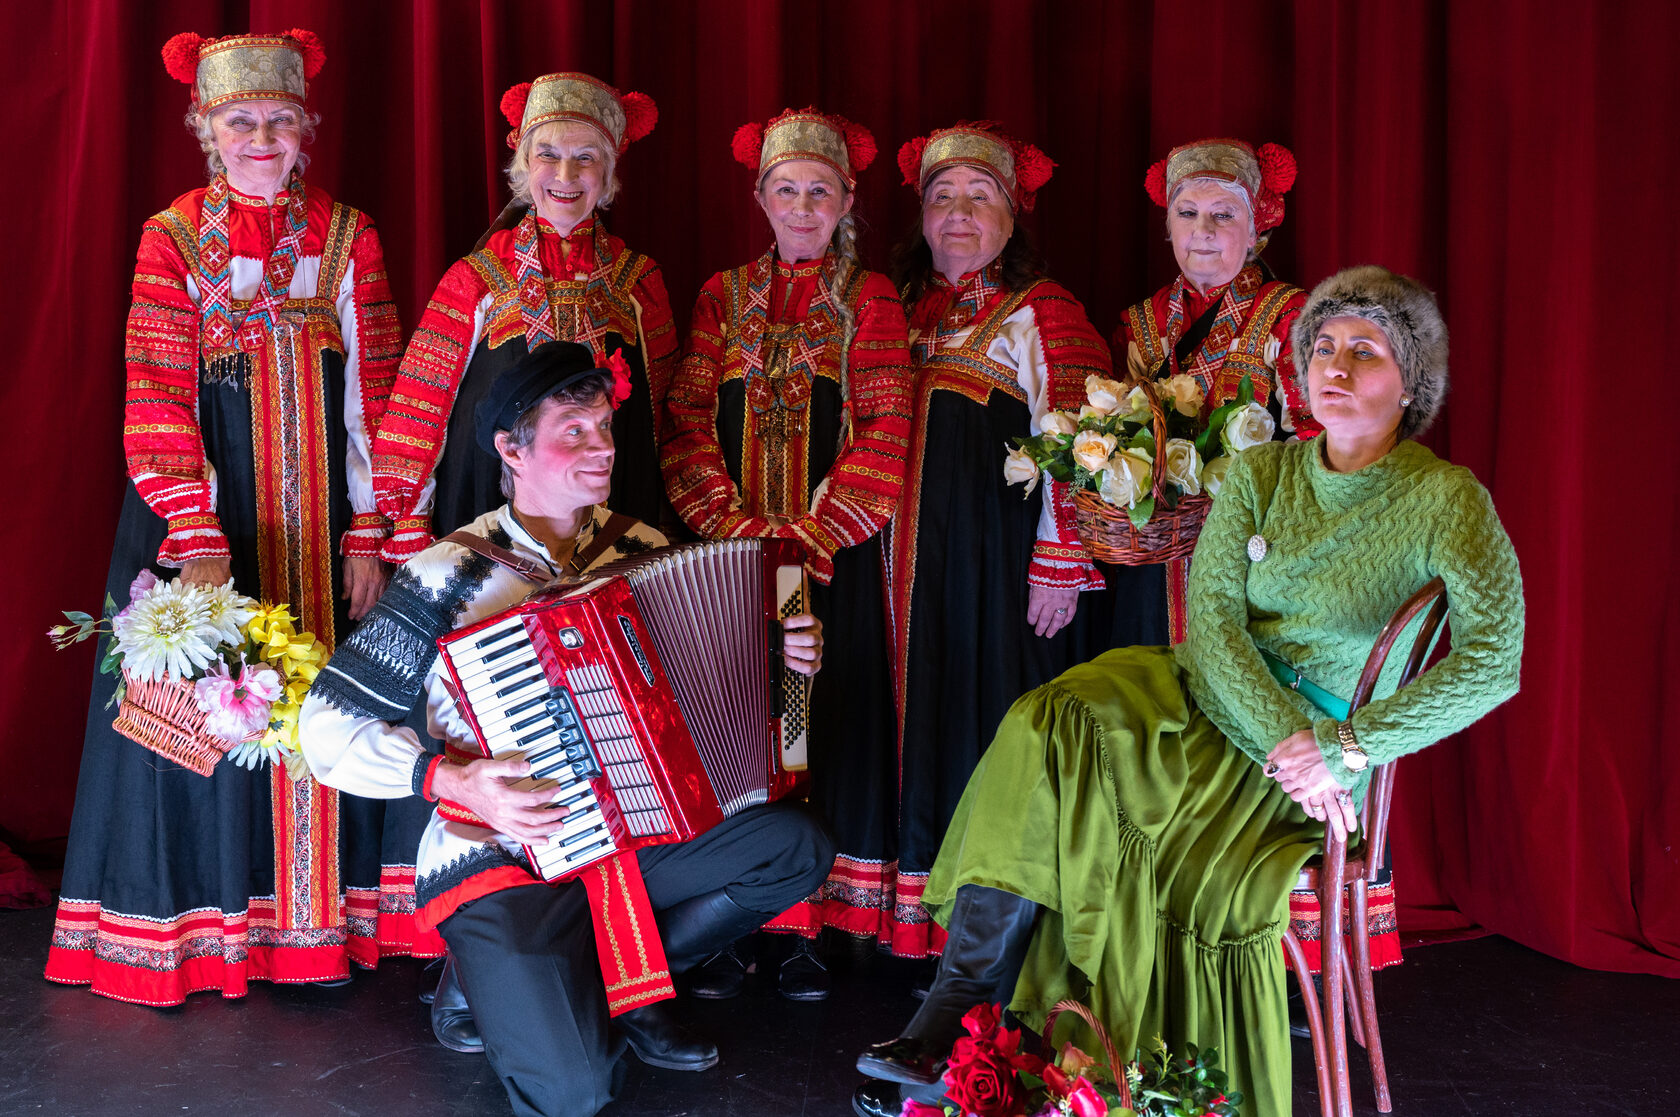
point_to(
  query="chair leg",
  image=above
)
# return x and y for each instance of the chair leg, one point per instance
(1315, 1020)
(1331, 895)
(1356, 1019)
(1368, 996)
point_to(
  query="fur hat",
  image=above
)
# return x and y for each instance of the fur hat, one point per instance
(1406, 312)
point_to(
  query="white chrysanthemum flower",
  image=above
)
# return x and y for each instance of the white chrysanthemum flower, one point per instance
(230, 612)
(167, 632)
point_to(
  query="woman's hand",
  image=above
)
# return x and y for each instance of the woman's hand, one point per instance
(207, 571)
(487, 789)
(1049, 611)
(364, 580)
(1299, 768)
(802, 644)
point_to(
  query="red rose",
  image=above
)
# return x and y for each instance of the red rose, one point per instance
(921, 1109)
(983, 1085)
(981, 1020)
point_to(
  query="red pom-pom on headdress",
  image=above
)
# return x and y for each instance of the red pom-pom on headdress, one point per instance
(1277, 168)
(747, 145)
(910, 161)
(180, 56)
(513, 103)
(640, 115)
(621, 377)
(309, 45)
(1032, 168)
(1155, 182)
(860, 144)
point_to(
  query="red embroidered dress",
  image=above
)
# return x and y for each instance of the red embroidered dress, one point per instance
(428, 470)
(767, 417)
(175, 882)
(1219, 337)
(964, 547)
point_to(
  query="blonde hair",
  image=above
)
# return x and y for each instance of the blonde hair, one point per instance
(519, 169)
(205, 133)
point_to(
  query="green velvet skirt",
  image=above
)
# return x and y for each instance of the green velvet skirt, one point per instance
(1163, 858)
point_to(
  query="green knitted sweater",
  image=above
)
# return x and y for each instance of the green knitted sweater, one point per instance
(1343, 550)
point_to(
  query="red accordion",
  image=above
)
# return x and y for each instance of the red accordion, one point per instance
(651, 697)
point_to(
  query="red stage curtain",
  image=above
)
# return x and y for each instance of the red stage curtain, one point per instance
(1519, 158)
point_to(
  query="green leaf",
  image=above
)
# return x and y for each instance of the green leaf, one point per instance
(1140, 512)
(1245, 390)
(77, 618)
(1143, 441)
(1060, 471)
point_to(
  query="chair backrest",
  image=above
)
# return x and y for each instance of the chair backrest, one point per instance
(1433, 597)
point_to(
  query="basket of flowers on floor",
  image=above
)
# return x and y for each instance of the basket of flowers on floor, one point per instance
(989, 1075)
(1144, 464)
(205, 672)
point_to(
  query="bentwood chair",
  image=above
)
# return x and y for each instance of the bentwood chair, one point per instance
(1340, 878)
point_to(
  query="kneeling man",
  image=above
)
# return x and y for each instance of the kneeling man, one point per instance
(525, 951)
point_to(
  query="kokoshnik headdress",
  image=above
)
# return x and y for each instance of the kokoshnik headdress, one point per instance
(244, 67)
(806, 134)
(1020, 168)
(1264, 175)
(621, 117)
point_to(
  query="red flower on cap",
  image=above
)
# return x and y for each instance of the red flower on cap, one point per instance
(747, 145)
(620, 369)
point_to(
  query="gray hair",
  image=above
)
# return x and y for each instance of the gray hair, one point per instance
(1408, 316)
(1236, 191)
(519, 169)
(585, 393)
(205, 134)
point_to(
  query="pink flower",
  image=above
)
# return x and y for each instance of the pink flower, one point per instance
(142, 584)
(1084, 1101)
(237, 707)
(921, 1109)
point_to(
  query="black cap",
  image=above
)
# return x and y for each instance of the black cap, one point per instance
(547, 369)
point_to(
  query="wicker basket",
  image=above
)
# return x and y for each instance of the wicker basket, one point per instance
(1116, 1067)
(1108, 532)
(163, 716)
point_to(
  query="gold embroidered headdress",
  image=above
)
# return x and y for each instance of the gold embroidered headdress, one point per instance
(806, 134)
(1264, 176)
(245, 67)
(1019, 167)
(621, 117)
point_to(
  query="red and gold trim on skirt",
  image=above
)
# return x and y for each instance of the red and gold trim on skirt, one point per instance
(1380, 922)
(870, 899)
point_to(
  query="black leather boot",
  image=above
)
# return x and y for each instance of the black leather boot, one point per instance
(699, 935)
(660, 1040)
(803, 976)
(452, 1019)
(986, 943)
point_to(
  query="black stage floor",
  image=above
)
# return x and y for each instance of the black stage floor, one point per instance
(1484, 1028)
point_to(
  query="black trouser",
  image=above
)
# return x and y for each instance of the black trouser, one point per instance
(527, 954)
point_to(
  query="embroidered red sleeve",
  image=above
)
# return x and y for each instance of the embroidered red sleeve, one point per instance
(162, 442)
(416, 414)
(1291, 383)
(659, 340)
(378, 346)
(860, 492)
(696, 474)
(1073, 350)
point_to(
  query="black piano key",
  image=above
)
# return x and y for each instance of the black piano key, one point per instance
(496, 637)
(509, 672)
(582, 834)
(586, 793)
(521, 707)
(517, 685)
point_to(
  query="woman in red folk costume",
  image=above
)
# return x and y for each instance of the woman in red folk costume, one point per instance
(547, 270)
(788, 419)
(261, 346)
(992, 595)
(1225, 316)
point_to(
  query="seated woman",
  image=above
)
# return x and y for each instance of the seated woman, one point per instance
(1197, 784)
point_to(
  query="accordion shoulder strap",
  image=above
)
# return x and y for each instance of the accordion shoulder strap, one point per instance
(611, 532)
(526, 568)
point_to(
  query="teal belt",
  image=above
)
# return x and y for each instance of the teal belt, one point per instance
(1308, 689)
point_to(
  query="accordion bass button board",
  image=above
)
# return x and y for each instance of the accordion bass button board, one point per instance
(651, 698)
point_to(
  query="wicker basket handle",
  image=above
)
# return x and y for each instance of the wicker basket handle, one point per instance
(1158, 417)
(1115, 1066)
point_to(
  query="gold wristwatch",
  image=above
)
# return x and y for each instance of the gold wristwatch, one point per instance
(1353, 757)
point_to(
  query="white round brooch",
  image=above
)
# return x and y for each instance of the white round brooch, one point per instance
(1257, 548)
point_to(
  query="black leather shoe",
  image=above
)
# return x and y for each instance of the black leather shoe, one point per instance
(877, 1099)
(905, 1059)
(659, 1040)
(452, 1018)
(719, 977)
(803, 977)
(429, 980)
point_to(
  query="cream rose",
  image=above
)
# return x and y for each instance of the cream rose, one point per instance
(1213, 474)
(1126, 479)
(1247, 426)
(1020, 469)
(1184, 393)
(1091, 449)
(1103, 394)
(1183, 466)
(1058, 422)
(1137, 403)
